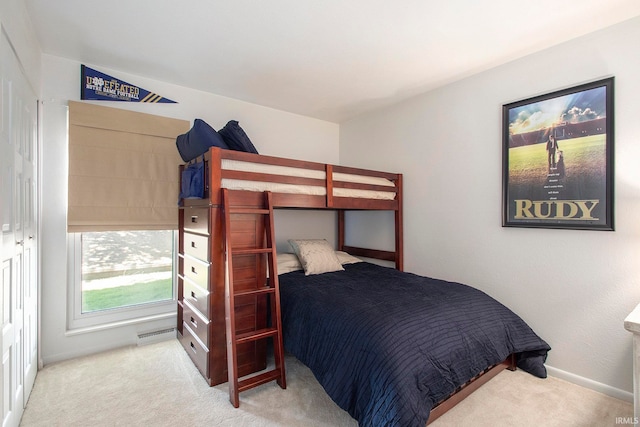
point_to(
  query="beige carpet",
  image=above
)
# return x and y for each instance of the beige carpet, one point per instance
(157, 385)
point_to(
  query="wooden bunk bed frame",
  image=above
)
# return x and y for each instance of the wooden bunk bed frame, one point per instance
(215, 173)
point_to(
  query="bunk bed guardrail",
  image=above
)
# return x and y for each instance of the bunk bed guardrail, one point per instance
(306, 185)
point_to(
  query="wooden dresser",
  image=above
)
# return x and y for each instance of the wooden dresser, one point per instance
(201, 271)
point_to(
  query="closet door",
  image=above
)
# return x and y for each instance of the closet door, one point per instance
(28, 135)
(18, 222)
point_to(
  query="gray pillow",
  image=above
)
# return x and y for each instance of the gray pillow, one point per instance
(316, 256)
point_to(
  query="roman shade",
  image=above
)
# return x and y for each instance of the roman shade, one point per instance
(123, 169)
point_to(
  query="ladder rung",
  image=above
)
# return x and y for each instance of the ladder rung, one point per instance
(251, 251)
(257, 380)
(256, 335)
(260, 291)
(249, 211)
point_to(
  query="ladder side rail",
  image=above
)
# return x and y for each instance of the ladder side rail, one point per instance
(232, 362)
(278, 346)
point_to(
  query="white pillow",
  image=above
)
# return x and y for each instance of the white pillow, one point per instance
(345, 258)
(316, 256)
(288, 262)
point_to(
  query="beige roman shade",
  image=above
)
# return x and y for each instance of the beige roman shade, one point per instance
(123, 169)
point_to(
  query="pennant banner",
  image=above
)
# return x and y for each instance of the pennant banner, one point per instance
(97, 86)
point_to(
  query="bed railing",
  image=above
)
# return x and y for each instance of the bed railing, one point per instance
(300, 184)
(307, 185)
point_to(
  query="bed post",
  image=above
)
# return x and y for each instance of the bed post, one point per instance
(214, 176)
(399, 227)
(512, 362)
(329, 184)
(340, 229)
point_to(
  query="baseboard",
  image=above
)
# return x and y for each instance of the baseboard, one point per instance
(85, 351)
(86, 342)
(590, 384)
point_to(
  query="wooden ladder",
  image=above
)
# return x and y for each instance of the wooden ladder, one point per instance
(270, 288)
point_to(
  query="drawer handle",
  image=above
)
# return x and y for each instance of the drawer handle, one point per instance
(193, 322)
(193, 347)
(193, 295)
(194, 219)
(193, 244)
(193, 270)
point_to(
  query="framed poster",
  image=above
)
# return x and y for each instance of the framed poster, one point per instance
(557, 152)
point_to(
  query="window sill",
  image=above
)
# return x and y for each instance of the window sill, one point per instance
(118, 324)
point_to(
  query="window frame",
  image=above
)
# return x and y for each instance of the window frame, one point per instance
(77, 321)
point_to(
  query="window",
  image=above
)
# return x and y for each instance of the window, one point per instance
(122, 176)
(126, 268)
(122, 276)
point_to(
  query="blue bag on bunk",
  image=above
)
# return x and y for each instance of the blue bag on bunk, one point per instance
(192, 181)
(198, 140)
(236, 138)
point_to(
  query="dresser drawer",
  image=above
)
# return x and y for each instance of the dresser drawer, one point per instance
(195, 350)
(196, 296)
(197, 246)
(198, 325)
(196, 271)
(196, 220)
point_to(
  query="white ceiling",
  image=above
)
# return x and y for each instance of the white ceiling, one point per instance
(329, 59)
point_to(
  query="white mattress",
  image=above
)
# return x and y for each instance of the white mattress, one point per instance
(235, 184)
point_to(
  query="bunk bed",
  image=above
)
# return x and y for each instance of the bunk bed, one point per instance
(310, 185)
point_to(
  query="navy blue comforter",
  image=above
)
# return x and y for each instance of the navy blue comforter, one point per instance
(387, 345)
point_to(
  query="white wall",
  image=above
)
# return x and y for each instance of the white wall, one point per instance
(17, 24)
(573, 287)
(272, 132)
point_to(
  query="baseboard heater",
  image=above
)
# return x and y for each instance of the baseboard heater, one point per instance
(151, 337)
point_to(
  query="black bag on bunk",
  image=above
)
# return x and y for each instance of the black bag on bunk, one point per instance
(192, 181)
(236, 138)
(198, 140)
